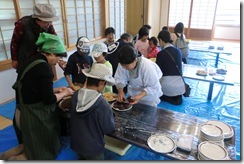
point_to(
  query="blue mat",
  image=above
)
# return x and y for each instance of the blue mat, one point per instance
(7, 110)
(8, 139)
(60, 83)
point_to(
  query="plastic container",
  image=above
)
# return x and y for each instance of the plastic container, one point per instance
(116, 146)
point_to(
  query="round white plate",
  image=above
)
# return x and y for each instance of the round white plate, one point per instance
(212, 150)
(227, 129)
(161, 143)
(119, 109)
(218, 77)
(211, 130)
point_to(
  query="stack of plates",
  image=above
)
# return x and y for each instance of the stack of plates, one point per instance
(211, 151)
(227, 129)
(210, 132)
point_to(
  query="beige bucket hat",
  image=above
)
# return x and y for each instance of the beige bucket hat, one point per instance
(100, 71)
(44, 12)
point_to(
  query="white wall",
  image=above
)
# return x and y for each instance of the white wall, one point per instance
(7, 79)
(157, 21)
(232, 33)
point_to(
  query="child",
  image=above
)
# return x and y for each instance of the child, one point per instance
(110, 36)
(77, 61)
(91, 116)
(142, 44)
(99, 52)
(153, 48)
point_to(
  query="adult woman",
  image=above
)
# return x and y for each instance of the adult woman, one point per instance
(170, 62)
(142, 76)
(179, 41)
(36, 98)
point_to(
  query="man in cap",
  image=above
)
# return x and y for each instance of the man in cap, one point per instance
(91, 116)
(36, 98)
(77, 61)
(27, 30)
(99, 52)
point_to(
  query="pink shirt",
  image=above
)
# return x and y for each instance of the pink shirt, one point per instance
(142, 47)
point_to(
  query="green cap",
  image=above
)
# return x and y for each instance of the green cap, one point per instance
(51, 44)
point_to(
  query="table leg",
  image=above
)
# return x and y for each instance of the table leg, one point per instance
(217, 60)
(210, 91)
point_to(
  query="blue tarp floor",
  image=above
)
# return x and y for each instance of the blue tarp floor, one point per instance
(224, 106)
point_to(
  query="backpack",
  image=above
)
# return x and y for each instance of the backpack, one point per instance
(182, 45)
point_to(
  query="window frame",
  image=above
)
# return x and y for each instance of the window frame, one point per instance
(203, 33)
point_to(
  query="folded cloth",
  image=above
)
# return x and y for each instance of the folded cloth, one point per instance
(185, 142)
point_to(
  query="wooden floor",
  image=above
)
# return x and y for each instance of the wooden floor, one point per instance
(4, 122)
